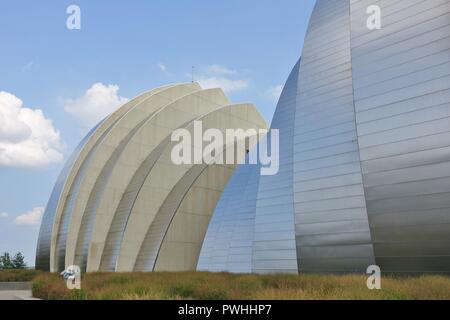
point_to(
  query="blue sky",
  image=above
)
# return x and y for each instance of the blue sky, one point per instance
(123, 48)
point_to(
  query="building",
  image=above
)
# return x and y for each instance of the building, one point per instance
(121, 204)
(365, 152)
(364, 177)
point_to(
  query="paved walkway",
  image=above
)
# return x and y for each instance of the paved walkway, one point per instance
(15, 291)
(15, 295)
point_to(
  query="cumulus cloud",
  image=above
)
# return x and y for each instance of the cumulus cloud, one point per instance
(217, 76)
(218, 69)
(3, 215)
(275, 92)
(27, 137)
(30, 218)
(95, 104)
(226, 84)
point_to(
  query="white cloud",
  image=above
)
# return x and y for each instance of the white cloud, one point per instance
(27, 138)
(218, 69)
(162, 67)
(217, 76)
(30, 218)
(226, 84)
(3, 215)
(95, 104)
(275, 92)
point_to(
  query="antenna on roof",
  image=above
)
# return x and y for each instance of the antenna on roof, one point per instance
(193, 73)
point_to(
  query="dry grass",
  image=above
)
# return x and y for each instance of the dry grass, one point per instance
(18, 275)
(222, 286)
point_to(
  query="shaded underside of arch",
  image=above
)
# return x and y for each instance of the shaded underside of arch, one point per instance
(156, 219)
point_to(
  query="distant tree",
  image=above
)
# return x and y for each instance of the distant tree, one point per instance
(19, 261)
(6, 261)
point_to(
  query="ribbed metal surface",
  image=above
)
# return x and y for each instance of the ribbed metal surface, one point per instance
(195, 209)
(156, 232)
(228, 244)
(331, 223)
(244, 234)
(50, 222)
(181, 116)
(118, 225)
(96, 194)
(69, 204)
(87, 183)
(401, 77)
(151, 245)
(274, 242)
(364, 175)
(45, 233)
(124, 139)
(98, 187)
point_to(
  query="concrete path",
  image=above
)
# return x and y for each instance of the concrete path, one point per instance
(15, 291)
(15, 295)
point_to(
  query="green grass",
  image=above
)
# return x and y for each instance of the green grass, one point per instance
(24, 275)
(221, 286)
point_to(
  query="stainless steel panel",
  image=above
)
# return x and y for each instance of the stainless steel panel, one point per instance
(327, 177)
(275, 193)
(250, 200)
(402, 101)
(364, 175)
(234, 211)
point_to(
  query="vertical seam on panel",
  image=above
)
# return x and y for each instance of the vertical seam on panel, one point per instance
(356, 128)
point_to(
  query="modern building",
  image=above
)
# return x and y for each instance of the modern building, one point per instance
(121, 204)
(364, 176)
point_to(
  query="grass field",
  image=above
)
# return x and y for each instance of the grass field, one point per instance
(209, 286)
(18, 275)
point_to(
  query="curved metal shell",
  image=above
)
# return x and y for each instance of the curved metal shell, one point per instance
(366, 160)
(86, 220)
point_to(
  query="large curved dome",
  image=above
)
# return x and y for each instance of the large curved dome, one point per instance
(364, 172)
(365, 152)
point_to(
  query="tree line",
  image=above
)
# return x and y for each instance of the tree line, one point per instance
(16, 262)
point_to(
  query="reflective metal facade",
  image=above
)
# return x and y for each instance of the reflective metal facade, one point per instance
(252, 229)
(364, 176)
(401, 78)
(228, 244)
(332, 229)
(274, 242)
(369, 180)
